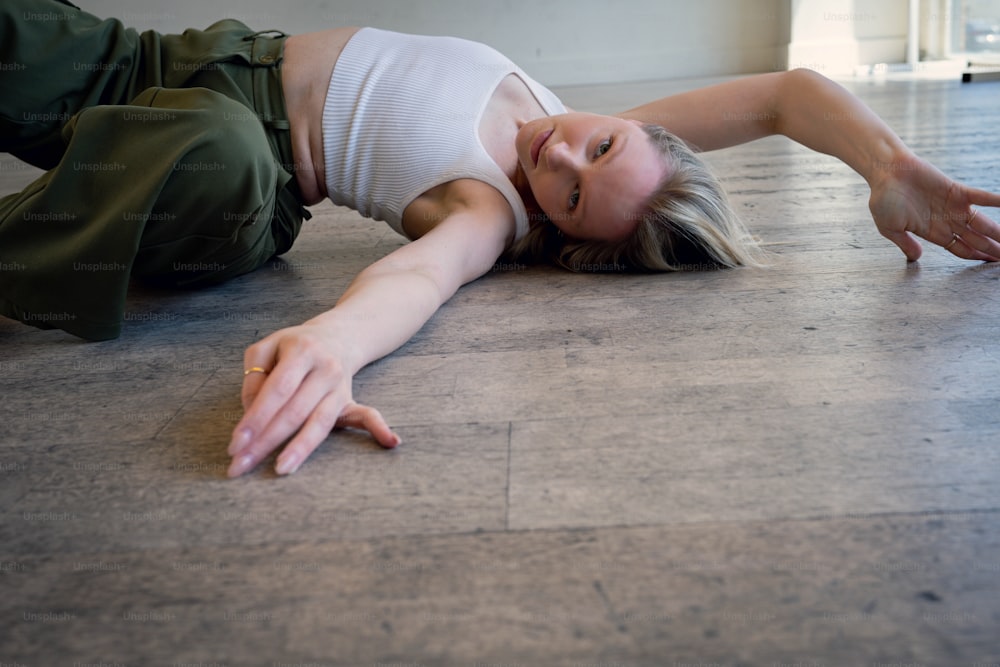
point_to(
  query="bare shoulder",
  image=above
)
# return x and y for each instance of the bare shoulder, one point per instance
(480, 205)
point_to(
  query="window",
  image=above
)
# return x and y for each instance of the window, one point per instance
(975, 30)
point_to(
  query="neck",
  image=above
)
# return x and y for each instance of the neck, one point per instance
(520, 181)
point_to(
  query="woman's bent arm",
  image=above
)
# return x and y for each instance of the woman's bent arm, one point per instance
(307, 391)
(910, 197)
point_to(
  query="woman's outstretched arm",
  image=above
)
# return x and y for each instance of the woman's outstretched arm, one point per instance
(307, 391)
(910, 197)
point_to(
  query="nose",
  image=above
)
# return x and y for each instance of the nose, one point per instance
(560, 156)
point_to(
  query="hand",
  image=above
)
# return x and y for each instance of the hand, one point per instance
(914, 198)
(305, 393)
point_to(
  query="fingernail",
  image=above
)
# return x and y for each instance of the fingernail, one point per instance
(240, 440)
(240, 465)
(287, 465)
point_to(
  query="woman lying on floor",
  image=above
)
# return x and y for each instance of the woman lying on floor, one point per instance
(187, 160)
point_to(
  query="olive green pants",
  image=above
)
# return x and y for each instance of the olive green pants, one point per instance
(168, 161)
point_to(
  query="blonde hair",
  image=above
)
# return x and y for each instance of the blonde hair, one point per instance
(688, 225)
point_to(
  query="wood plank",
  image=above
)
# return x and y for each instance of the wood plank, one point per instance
(890, 589)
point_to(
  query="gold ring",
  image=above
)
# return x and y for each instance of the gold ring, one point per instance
(255, 369)
(972, 216)
(954, 240)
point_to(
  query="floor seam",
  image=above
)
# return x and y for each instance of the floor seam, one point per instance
(506, 516)
(184, 405)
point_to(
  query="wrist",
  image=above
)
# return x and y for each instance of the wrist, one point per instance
(887, 161)
(336, 337)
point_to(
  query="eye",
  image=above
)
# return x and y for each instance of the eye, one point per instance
(603, 148)
(574, 199)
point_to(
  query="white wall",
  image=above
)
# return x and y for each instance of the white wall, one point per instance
(573, 42)
(559, 42)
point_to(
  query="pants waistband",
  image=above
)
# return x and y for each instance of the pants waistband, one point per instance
(266, 54)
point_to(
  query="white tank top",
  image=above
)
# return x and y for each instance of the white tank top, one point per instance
(402, 116)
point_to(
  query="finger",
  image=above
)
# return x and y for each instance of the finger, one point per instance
(986, 237)
(963, 250)
(983, 197)
(276, 391)
(252, 384)
(969, 246)
(290, 419)
(968, 241)
(909, 245)
(258, 355)
(324, 420)
(363, 417)
(316, 429)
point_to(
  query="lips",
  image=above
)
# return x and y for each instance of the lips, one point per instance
(536, 145)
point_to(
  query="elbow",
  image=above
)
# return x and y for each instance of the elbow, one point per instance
(802, 76)
(801, 71)
(792, 88)
(802, 81)
(440, 287)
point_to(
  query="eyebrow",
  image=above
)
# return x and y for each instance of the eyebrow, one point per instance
(617, 146)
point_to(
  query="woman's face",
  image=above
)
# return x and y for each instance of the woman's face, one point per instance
(590, 174)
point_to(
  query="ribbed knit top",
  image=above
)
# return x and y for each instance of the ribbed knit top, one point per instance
(402, 116)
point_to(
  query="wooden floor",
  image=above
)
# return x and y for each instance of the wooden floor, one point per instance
(789, 466)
